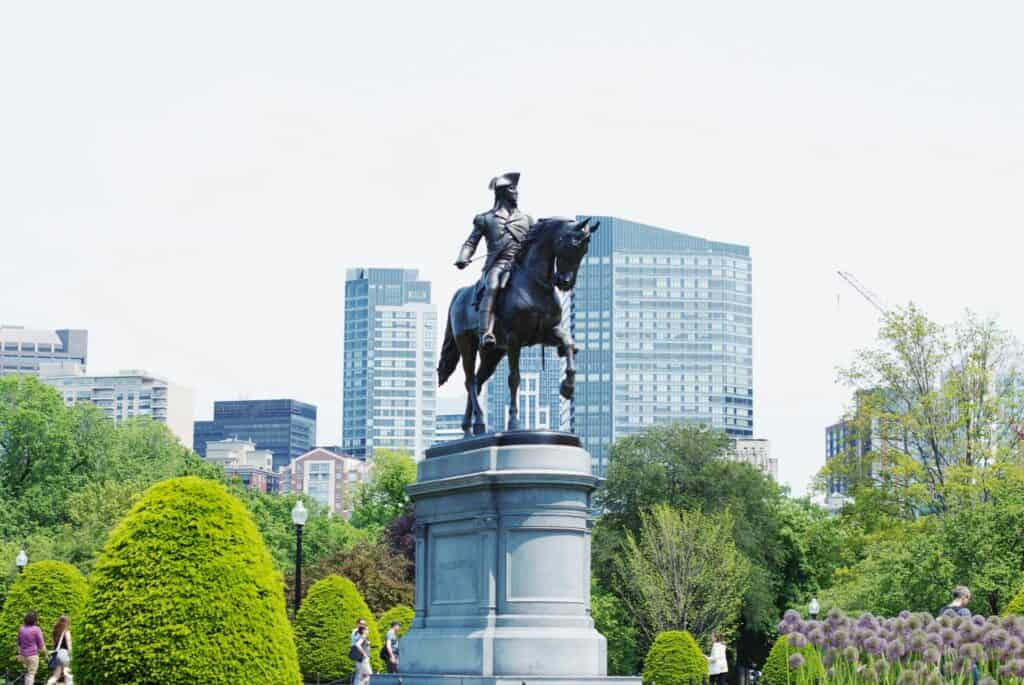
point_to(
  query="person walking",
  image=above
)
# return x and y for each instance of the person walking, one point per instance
(363, 668)
(355, 652)
(60, 661)
(718, 667)
(30, 645)
(389, 652)
(961, 598)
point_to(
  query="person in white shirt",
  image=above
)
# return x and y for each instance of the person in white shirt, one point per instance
(718, 668)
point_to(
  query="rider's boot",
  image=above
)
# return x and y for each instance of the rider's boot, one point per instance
(487, 339)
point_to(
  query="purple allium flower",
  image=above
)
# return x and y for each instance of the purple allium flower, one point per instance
(796, 640)
(994, 620)
(792, 616)
(908, 677)
(918, 640)
(851, 654)
(932, 655)
(783, 628)
(988, 680)
(828, 658)
(881, 666)
(840, 639)
(1014, 646)
(796, 660)
(978, 620)
(1017, 667)
(945, 621)
(973, 651)
(1005, 671)
(904, 614)
(895, 650)
(874, 645)
(835, 616)
(915, 622)
(997, 638)
(933, 677)
(817, 637)
(935, 640)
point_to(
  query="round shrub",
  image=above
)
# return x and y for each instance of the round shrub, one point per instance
(52, 588)
(777, 669)
(675, 659)
(184, 592)
(323, 629)
(1016, 605)
(400, 613)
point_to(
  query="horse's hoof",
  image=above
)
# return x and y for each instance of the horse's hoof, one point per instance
(466, 433)
(513, 424)
(479, 428)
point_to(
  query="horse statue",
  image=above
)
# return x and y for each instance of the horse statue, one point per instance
(528, 312)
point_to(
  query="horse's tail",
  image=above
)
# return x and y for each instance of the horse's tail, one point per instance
(449, 360)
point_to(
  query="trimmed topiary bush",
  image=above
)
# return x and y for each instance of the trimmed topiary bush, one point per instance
(675, 659)
(184, 592)
(400, 613)
(1016, 605)
(779, 671)
(323, 629)
(52, 588)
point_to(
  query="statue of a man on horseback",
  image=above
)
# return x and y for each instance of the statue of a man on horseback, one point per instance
(516, 303)
(504, 229)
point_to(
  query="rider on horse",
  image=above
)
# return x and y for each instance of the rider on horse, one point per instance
(504, 228)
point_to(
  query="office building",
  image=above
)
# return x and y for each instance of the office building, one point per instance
(128, 394)
(389, 382)
(22, 350)
(448, 427)
(285, 427)
(754, 451)
(664, 324)
(539, 401)
(240, 459)
(326, 476)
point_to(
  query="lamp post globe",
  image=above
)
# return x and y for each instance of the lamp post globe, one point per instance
(299, 516)
(813, 608)
(21, 561)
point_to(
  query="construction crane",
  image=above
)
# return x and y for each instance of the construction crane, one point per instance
(865, 292)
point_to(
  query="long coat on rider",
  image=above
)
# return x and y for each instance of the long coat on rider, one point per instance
(504, 233)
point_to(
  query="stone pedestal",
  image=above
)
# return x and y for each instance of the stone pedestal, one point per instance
(503, 565)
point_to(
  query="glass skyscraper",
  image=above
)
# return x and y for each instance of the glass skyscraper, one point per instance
(389, 382)
(664, 324)
(285, 427)
(539, 401)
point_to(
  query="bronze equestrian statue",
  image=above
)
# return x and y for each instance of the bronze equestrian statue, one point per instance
(515, 304)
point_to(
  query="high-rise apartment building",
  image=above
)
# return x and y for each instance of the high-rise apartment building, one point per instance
(754, 451)
(128, 394)
(664, 324)
(539, 401)
(389, 383)
(327, 476)
(448, 427)
(22, 350)
(285, 427)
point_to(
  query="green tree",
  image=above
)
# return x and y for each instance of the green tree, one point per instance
(185, 591)
(51, 588)
(401, 613)
(323, 626)
(778, 670)
(612, 620)
(674, 659)
(683, 572)
(383, 498)
(382, 577)
(680, 465)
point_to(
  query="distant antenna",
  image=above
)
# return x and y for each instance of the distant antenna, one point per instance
(865, 292)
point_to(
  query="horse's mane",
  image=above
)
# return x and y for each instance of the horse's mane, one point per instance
(538, 231)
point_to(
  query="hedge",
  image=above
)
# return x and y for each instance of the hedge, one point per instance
(184, 592)
(400, 613)
(323, 629)
(674, 659)
(1016, 605)
(777, 669)
(51, 588)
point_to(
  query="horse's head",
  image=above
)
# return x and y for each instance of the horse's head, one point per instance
(571, 245)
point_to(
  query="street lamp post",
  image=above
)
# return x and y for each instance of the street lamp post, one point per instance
(21, 561)
(299, 515)
(813, 608)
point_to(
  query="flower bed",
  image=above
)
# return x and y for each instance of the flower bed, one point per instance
(910, 649)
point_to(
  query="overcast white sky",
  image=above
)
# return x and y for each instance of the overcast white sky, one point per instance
(190, 180)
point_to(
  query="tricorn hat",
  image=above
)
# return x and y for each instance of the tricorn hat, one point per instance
(509, 179)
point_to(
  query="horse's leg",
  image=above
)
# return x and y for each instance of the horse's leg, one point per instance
(489, 360)
(513, 388)
(473, 411)
(564, 341)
